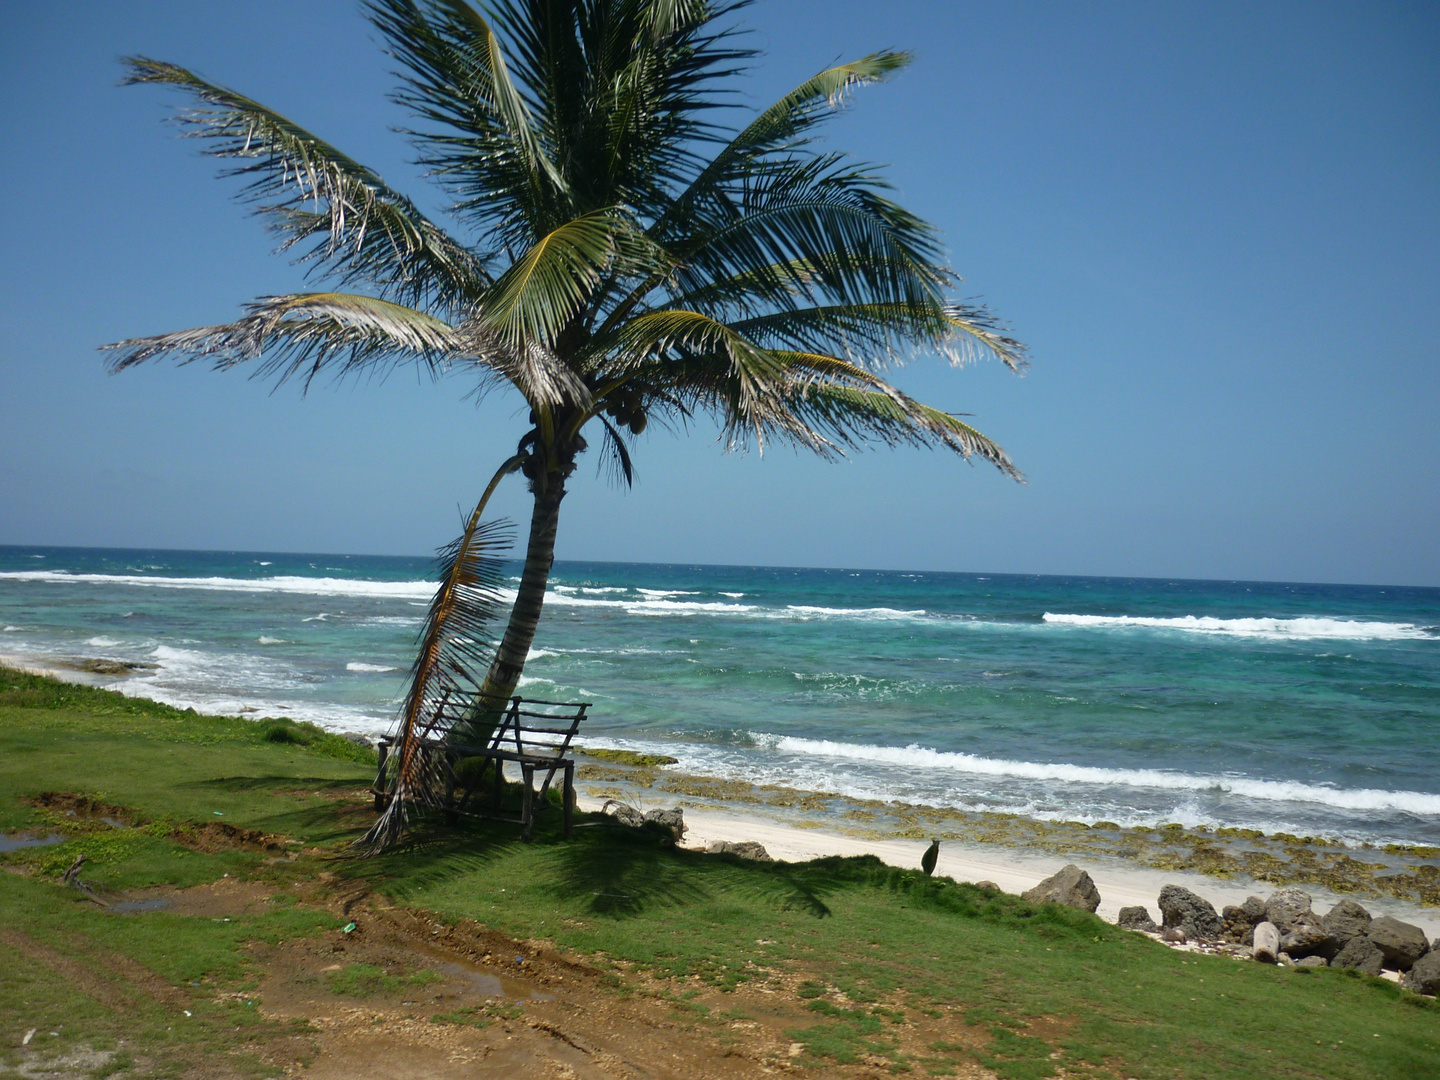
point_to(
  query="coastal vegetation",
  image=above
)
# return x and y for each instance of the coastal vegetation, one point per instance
(621, 256)
(248, 947)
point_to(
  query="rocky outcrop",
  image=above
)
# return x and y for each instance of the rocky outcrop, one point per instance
(1307, 936)
(1424, 976)
(1361, 954)
(1346, 920)
(672, 821)
(1285, 906)
(1071, 886)
(1401, 942)
(1239, 920)
(624, 813)
(746, 849)
(1136, 918)
(1193, 915)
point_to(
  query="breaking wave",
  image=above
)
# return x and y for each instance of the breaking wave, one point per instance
(1275, 629)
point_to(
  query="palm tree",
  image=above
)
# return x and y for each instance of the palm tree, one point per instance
(624, 259)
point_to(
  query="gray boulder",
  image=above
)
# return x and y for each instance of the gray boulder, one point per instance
(746, 849)
(1346, 920)
(1194, 915)
(1285, 906)
(1071, 886)
(1424, 976)
(1254, 908)
(672, 820)
(1136, 918)
(624, 813)
(1361, 954)
(987, 886)
(1401, 942)
(1311, 961)
(1307, 936)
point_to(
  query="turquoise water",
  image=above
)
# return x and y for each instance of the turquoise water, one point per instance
(1304, 708)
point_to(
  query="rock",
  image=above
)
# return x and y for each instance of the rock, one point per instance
(1238, 923)
(1071, 886)
(988, 886)
(746, 849)
(1307, 936)
(1346, 920)
(1424, 976)
(1285, 906)
(623, 813)
(1267, 943)
(1136, 918)
(1401, 942)
(1174, 936)
(1361, 954)
(672, 819)
(1254, 908)
(1193, 914)
(1312, 962)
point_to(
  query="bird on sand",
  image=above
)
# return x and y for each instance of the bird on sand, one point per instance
(930, 858)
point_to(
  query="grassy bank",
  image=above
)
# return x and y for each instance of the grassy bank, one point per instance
(861, 967)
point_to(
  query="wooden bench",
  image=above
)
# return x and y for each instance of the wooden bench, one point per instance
(533, 734)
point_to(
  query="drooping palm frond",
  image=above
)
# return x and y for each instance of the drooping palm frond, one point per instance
(302, 334)
(362, 229)
(456, 646)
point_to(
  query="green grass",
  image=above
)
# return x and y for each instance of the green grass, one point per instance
(859, 947)
(366, 980)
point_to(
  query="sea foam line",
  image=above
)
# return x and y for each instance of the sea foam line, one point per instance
(1275, 629)
(305, 586)
(914, 756)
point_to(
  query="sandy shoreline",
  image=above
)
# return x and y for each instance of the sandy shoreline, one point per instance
(1121, 884)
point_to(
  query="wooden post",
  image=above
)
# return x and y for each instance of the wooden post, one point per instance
(567, 797)
(1267, 943)
(527, 811)
(383, 749)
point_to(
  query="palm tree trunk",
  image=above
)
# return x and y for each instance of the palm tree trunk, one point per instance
(514, 648)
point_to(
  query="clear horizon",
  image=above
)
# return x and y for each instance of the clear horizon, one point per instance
(736, 566)
(1215, 226)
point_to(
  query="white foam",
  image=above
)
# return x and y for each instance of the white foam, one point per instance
(102, 642)
(10, 630)
(1275, 629)
(540, 654)
(304, 586)
(356, 665)
(881, 614)
(733, 595)
(271, 640)
(914, 756)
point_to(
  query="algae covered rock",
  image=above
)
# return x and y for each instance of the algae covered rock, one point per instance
(672, 820)
(1194, 915)
(1401, 942)
(1071, 886)
(1136, 918)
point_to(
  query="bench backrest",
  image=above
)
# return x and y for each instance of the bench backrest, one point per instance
(538, 728)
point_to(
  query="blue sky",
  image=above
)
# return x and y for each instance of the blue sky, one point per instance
(1216, 225)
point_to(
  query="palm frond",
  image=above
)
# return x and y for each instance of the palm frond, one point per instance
(362, 229)
(303, 334)
(456, 646)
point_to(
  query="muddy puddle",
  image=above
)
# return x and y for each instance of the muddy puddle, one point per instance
(16, 841)
(484, 983)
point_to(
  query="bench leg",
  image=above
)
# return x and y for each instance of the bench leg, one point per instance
(499, 783)
(567, 798)
(527, 811)
(380, 800)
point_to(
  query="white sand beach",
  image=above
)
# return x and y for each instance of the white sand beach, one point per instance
(1121, 884)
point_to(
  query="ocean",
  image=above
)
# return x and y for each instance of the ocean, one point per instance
(1309, 709)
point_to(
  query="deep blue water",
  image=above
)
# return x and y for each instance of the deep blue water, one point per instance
(1309, 708)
